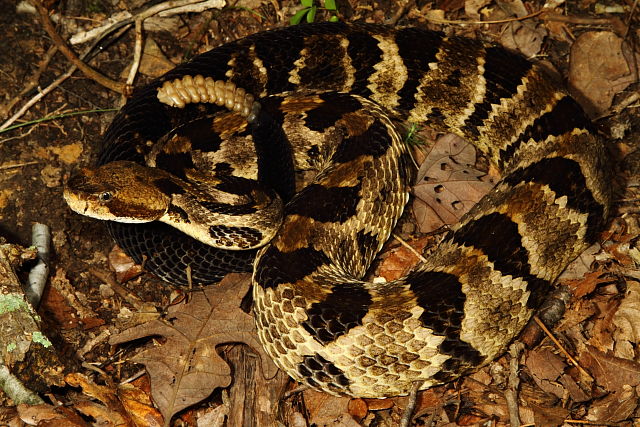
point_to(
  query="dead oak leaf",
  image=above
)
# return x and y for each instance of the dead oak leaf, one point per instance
(448, 184)
(599, 68)
(186, 368)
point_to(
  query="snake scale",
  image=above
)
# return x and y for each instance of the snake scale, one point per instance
(332, 95)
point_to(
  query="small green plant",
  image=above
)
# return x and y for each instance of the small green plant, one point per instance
(310, 10)
(411, 135)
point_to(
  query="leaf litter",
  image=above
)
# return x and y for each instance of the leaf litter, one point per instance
(186, 367)
(600, 328)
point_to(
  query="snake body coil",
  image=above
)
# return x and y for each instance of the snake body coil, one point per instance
(316, 317)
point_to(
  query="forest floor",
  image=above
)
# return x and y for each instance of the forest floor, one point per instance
(591, 375)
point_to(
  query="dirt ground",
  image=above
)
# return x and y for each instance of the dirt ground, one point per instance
(35, 160)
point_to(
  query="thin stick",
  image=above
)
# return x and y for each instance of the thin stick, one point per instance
(71, 56)
(411, 404)
(573, 361)
(576, 20)
(497, 21)
(17, 165)
(38, 97)
(137, 53)
(511, 394)
(406, 245)
(5, 128)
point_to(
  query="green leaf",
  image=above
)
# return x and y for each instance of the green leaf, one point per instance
(295, 19)
(334, 18)
(311, 16)
(306, 3)
(330, 5)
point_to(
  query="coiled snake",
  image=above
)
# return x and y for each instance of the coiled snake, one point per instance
(330, 95)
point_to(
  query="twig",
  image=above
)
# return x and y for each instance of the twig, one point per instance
(576, 19)
(41, 239)
(137, 53)
(400, 11)
(123, 292)
(497, 21)
(38, 97)
(511, 394)
(17, 165)
(406, 245)
(133, 377)
(571, 359)
(71, 56)
(4, 128)
(628, 23)
(407, 415)
(12, 386)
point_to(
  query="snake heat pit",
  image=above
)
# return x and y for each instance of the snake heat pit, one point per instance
(208, 159)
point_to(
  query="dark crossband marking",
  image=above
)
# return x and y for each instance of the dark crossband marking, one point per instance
(168, 186)
(317, 370)
(277, 267)
(503, 73)
(334, 204)
(278, 57)
(499, 239)
(367, 244)
(327, 113)
(364, 53)
(223, 208)
(332, 65)
(177, 212)
(231, 236)
(199, 133)
(341, 310)
(457, 59)
(175, 164)
(417, 51)
(565, 178)
(375, 142)
(441, 297)
(565, 116)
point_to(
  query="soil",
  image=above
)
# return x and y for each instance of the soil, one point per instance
(35, 160)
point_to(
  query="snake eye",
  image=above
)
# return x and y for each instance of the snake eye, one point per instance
(105, 196)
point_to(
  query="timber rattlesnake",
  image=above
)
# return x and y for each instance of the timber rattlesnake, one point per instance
(315, 316)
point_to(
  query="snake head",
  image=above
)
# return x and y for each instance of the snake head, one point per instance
(120, 191)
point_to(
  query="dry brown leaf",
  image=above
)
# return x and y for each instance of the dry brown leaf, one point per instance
(447, 185)
(611, 372)
(601, 331)
(598, 70)
(327, 410)
(581, 265)
(526, 38)
(139, 406)
(111, 412)
(627, 322)
(546, 368)
(587, 284)
(544, 416)
(472, 8)
(187, 368)
(615, 407)
(400, 259)
(123, 265)
(49, 415)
